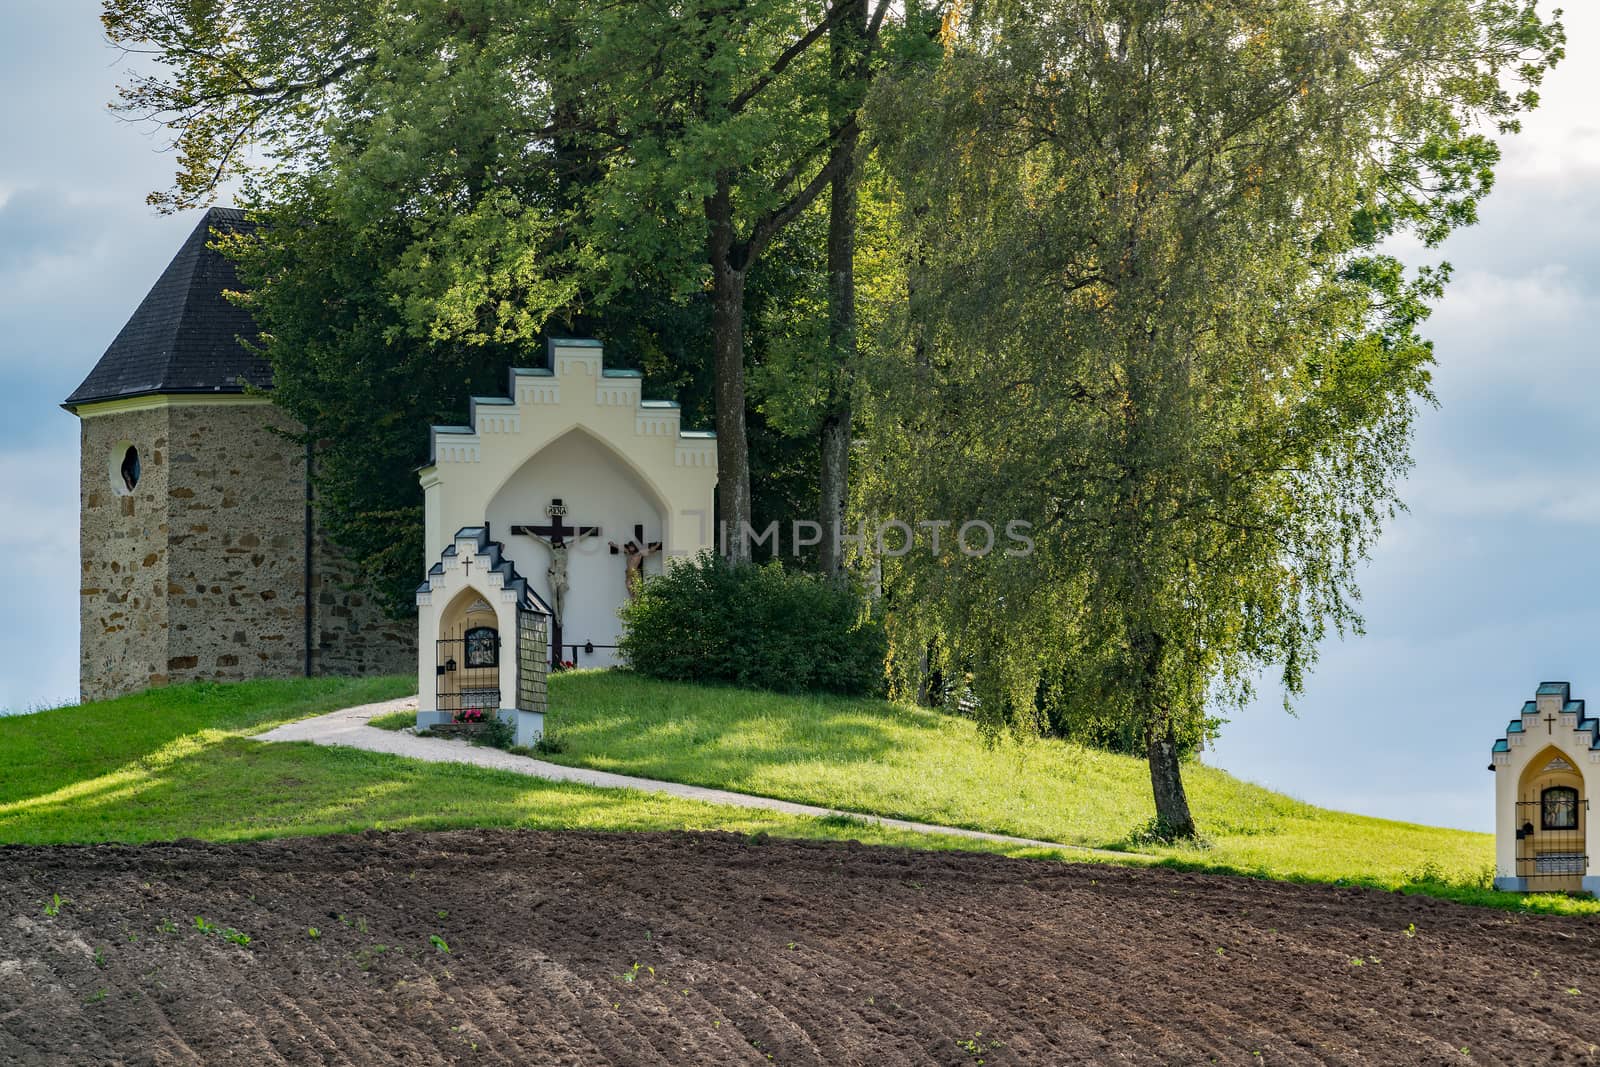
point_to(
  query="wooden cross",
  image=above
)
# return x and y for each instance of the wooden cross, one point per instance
(1550, 724)
(466, 565)
(638, 539)
(555, 534)
(556, 531)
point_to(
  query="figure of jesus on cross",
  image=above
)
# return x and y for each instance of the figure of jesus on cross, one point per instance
(559, 538)
(635, 552)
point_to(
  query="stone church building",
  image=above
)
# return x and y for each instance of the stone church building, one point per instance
(201, 553)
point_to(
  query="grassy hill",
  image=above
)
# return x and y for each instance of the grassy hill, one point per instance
(892, 759)
(178, 763)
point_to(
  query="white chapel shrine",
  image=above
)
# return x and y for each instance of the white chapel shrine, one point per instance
(1545, 840)
(542, 514)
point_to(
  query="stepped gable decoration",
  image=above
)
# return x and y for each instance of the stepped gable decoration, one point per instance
(1545, 840)
(576, 442)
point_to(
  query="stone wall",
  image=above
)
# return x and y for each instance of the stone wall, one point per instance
(122, 602)
(236, 570)
(200, 572)
(351, 635)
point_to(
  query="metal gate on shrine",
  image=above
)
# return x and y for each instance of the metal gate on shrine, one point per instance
(1551, 852)
(469, 669)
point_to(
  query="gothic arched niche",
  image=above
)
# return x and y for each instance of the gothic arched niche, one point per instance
(604, 497)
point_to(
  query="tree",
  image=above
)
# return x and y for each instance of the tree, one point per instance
(610, 143)
(1146, 313)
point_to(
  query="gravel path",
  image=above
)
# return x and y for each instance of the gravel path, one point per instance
(349, 727)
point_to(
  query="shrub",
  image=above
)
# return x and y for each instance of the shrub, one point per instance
(760, 626)
(497, 733)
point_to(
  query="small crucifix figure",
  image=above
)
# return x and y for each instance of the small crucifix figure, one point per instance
(558, 537)
(636, 552)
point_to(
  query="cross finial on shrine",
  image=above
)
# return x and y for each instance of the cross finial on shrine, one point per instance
(1550, 723)
(466, 565)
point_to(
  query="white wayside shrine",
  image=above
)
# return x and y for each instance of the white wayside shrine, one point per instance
(1545, 839)
(543, 513)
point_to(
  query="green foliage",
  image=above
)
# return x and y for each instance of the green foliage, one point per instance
(709, 620)
(442, 185)
(1144, 311)
(496, 733)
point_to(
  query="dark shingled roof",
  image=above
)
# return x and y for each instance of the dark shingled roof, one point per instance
(184, 337)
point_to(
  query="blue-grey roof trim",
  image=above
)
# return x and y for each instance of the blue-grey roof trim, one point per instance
(1585, 724)
(528, 598)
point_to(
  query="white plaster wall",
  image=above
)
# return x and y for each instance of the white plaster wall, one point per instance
(598, 490)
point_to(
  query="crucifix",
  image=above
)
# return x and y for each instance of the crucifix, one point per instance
(556, 535)
(637, 551)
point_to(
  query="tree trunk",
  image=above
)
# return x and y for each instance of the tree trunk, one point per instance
(727, 339)
(846, 42)
(1161, 740)
(1166, 779)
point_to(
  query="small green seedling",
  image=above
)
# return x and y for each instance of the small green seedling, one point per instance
(313, 933)
(240, 939)
(53, 908)
(100, 958)
(438, 944)
(1411, 930)
(167, 927)
(204, 925)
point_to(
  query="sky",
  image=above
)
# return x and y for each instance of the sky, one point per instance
(1487, 586)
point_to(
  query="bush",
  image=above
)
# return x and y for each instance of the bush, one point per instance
(760, 626)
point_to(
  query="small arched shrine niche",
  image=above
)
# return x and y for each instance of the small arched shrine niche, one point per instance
(1551, 823)
(468, 659)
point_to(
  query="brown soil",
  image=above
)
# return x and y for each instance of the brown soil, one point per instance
(751, 952)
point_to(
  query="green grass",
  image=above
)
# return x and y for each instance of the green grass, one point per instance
(891, 759)
(177, 763)
(395, 720)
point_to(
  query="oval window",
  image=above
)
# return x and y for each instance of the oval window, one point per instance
(125, 469)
